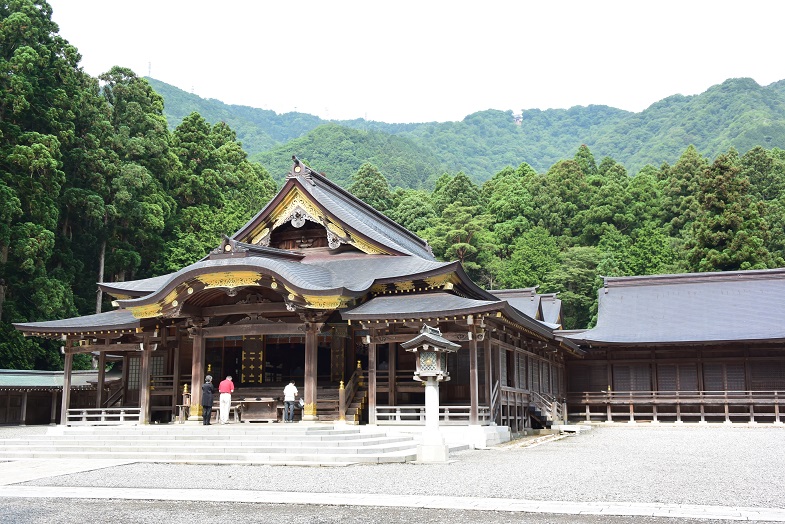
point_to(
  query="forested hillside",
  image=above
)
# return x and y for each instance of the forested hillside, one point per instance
(737, 113)
(96, 185)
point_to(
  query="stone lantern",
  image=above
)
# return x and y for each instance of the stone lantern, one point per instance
(431, 367)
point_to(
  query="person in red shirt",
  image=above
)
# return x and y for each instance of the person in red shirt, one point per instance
(225, 388)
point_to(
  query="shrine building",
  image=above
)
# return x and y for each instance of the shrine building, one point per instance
(322, 289)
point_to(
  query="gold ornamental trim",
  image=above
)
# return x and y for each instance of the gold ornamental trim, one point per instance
(230, 279)
(148, 311)
(404, 286)
(335, 228)
(298, 200)
(171, 296)
(438, 280)
(379, 289)
(310, 409)
(258, 237)
(329, 302)
(366, 247)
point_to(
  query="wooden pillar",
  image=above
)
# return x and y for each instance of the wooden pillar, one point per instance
(23, 410)
(392, 360)
(311, 353)
(53, 409)
(67, 365)
(177, 397)
(99, 394)
(372, 382)
(144, 384)
(486, 354)
(197, 373)
(474, 397)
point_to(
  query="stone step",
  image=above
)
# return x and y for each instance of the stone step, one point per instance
(210, 434)
(216, 449)
(217, 443)
(224, 458)
(224, 444)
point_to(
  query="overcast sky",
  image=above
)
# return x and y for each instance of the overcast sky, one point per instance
(426, 60)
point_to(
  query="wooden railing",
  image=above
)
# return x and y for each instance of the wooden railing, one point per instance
(496, 405)
(103, 416)
(162, 383)
(678, 406)
(115, 397)
(548, 405)
(347, 391)
(415, 415)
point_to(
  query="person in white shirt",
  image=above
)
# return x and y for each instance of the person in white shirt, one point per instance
(289, 398)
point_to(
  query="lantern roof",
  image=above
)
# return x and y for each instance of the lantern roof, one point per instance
(431, 337)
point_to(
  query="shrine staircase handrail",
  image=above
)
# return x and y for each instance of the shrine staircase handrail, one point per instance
(495, 403)
(347, 394)
(118, 395)
(548, 405)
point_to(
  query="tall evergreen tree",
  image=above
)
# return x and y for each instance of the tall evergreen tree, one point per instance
(370, 186)
(729, 232)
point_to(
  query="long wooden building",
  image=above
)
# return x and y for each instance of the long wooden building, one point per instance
(321, 288)
(706, 347)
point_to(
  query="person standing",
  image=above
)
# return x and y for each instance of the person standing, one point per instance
(207, 399)
(289, 398)
(225, 388)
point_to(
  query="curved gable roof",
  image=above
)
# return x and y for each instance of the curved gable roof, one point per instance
(342, 208)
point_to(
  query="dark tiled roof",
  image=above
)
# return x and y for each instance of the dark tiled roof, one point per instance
(349, 275)
(135, 288)
(365, 219)
(110, 320)
(419, 305)
(15, 379)
(696, 307)
(551, 308)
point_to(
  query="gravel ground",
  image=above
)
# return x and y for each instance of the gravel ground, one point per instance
(714, 465)
(57, 511)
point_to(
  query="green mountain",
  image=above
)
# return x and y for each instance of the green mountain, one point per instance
(738, 113)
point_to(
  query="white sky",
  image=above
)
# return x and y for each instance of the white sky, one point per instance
(425, 60)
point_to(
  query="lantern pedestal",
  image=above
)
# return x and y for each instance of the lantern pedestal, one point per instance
(433, 447)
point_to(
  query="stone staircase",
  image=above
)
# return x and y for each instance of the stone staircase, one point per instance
(275, 444)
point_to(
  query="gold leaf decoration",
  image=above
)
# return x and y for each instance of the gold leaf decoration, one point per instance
(329, 302)
(148, 311)
(230, 279)
(438, 280)
(404, 286)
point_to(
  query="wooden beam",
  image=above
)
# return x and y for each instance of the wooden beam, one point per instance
(455, 336)
(89, 348)
(278, 328)
(244, 309)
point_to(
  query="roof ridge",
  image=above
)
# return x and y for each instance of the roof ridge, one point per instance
(697, 278)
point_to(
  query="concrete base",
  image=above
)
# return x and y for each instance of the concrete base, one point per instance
(433, 448)
(482, 437)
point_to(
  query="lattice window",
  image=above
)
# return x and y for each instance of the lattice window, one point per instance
(677, 377)
(133, 372)
(633, 377)
(767, 376)
(428, 361)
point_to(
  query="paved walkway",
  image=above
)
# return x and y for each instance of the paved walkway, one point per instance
(21, 471)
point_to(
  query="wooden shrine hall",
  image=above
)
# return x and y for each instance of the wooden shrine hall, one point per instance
(322, 289)
(700, 347)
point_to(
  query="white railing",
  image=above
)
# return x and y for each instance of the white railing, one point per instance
(415, 415)
(103, 416)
